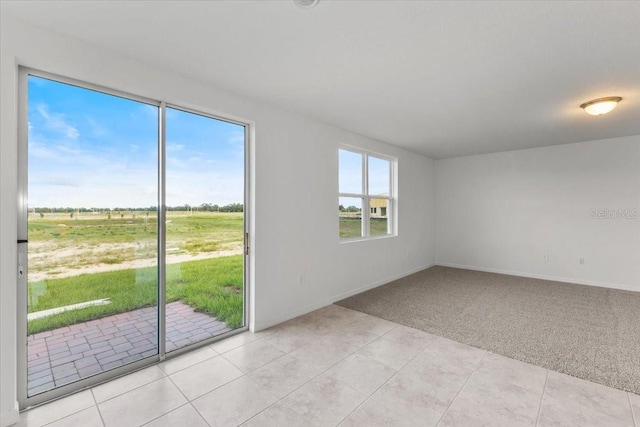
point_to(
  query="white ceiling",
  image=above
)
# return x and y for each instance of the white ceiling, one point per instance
(440, 78)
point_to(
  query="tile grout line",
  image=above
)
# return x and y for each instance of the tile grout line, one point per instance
(199, 414)
(97, 407)
(278, 400)
(633, 415)
(126, 375)
(210, 391)
(219, 353)
(187, 367)
(392, 377)
(244, 374)
(166, 413)
(544, 390)
(316, 376)
(75, 412)
(178, 388)
(188, 402)
(254, 369)
(267, 391)
(462, 388)
(294, 390)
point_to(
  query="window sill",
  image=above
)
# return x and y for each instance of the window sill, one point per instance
(366, 239)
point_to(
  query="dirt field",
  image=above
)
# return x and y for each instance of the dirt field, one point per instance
(61, 246)
(41, 266)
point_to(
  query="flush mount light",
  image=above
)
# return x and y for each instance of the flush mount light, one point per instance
(307, 4)
(597, 107)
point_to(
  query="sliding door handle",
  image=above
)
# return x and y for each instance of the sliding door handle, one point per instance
(21, 257)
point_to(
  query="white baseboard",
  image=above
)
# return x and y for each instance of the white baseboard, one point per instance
(11, 417)
(379, 283)
(259, 326)
(328, 301)
(540, 276)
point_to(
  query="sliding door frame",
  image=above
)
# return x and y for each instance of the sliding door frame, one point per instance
(26, 401)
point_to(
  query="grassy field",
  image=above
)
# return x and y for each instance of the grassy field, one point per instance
(59, 242)
(60, 246)
(128, 226)
(352, 227)
(212, 286)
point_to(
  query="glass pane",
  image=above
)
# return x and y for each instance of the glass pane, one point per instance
(205, 227)
(379, 177)
(350, 217)
(379, 217)
(92, 227)
(350, 175)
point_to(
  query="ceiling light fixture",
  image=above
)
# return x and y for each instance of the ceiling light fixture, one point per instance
(307, 4)
(597, 107)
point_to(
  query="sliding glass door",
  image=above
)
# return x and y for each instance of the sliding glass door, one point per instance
(204, 240)
(131, 233)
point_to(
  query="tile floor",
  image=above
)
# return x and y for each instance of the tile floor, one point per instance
(341, 367)
(64, 355)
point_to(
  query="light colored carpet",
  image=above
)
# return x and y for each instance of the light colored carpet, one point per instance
(584, 331)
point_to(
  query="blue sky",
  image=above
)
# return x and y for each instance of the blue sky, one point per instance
(89, 149)
(350, 176)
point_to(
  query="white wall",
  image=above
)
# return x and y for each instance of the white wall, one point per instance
(503, 212)
(295, 181)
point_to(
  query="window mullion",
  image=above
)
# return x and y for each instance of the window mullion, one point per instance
(162, 229)
(391, 214)
(354, 195)
(365, 190)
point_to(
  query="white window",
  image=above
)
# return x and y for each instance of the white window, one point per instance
(366, 203)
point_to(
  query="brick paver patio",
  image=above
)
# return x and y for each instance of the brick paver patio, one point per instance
(64, 355)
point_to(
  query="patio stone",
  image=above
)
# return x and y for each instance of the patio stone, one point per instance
(64, 355)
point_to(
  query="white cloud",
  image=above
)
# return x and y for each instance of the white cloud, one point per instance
(236, 138)
(174, 162)
(173, 147)
(97, 129)
(57, 122)
(41, 151)
(146, 110)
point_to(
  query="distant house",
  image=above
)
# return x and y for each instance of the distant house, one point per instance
(378, 208)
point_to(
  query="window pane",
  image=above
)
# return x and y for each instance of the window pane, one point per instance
(350, 172)
(379, 181)
(204, 233)
(92, 230)
(350, 215)
(379, 217)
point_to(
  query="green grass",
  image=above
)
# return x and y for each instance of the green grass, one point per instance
(212, 286)
(351, 227)
(92, 229)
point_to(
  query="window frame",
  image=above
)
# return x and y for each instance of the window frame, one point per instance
(365, 197)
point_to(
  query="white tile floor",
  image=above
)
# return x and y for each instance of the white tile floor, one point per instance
(341, 367)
